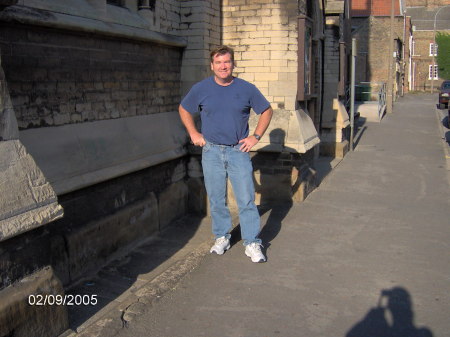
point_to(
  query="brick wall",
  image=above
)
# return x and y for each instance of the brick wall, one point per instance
(372, 63)
(57, 77)
(372, 37)
(421, 60)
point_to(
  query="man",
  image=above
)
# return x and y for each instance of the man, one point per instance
(224, 103)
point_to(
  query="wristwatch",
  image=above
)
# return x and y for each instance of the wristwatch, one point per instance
(258, 137)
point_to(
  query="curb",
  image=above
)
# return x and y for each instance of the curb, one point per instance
(442, 130)
(131, 304)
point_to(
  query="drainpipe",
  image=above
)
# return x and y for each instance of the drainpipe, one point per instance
(390, 89)
(352, 94)
(403, 51)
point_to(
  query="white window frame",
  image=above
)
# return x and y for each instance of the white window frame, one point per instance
(433, 49)
(436, 75)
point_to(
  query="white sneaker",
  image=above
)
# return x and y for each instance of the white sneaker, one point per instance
(220, 246)
(253, 251)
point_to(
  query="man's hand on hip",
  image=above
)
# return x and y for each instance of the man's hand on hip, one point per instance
(198, 140)
(247, 143)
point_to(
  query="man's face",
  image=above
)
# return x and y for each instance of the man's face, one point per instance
(222, 66)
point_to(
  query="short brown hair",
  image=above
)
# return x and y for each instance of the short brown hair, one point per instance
(222, 50)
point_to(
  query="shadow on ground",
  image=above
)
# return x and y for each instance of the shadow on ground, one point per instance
(393, 316)
(130, 271)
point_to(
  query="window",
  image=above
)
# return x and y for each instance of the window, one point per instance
(433, 49)
(305, 59)
(433, 73)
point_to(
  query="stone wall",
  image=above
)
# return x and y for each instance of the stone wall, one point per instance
(58, 78)
(333, 138)
(100, 222)
(264, 36)
(200, 24)
(72, 83)
(265, 39)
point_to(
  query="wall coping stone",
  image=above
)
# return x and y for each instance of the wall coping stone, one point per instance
(75, 156)
(40, 17)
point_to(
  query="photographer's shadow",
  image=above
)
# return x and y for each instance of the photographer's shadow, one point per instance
(392, 317)
(273, 183)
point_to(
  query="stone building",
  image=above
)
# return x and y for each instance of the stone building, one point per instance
(426, 19)
(93, 88)
(338, 46)
(371, 21)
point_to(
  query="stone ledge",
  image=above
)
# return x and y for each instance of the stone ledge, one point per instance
(79, 155)
(289, 131)
(40, 17)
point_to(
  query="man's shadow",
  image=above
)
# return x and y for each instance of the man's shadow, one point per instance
(273, 183)
(392, 317)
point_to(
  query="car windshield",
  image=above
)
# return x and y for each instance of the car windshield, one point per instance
(446, 85)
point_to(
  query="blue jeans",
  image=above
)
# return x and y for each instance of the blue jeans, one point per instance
(220, 162)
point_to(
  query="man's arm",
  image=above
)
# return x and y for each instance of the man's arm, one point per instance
(189, 124)
(261, 127)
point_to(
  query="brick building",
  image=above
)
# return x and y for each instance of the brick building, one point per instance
(371, 20)
(426, 19)
(92, 89)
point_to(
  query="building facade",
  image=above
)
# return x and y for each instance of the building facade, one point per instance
(372, 22)
(93, 89)
(427, 20)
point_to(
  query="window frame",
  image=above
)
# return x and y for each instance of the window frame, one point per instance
(433, 50)
(430, 70)
(305, 76)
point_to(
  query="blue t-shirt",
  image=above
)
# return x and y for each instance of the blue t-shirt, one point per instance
(224, 110)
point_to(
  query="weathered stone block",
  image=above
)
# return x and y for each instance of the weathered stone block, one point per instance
(172, 203)
(94, 244)
(197, 198)
(334, 149)
(22, 316)
(27, 199)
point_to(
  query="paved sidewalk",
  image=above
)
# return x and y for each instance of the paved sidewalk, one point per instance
(366, 254)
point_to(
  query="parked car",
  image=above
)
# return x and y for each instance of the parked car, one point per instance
(444, 93)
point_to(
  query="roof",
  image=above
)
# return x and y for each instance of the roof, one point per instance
(423, 18)
(363, 8)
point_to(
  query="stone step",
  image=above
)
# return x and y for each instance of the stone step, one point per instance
(369, 111)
